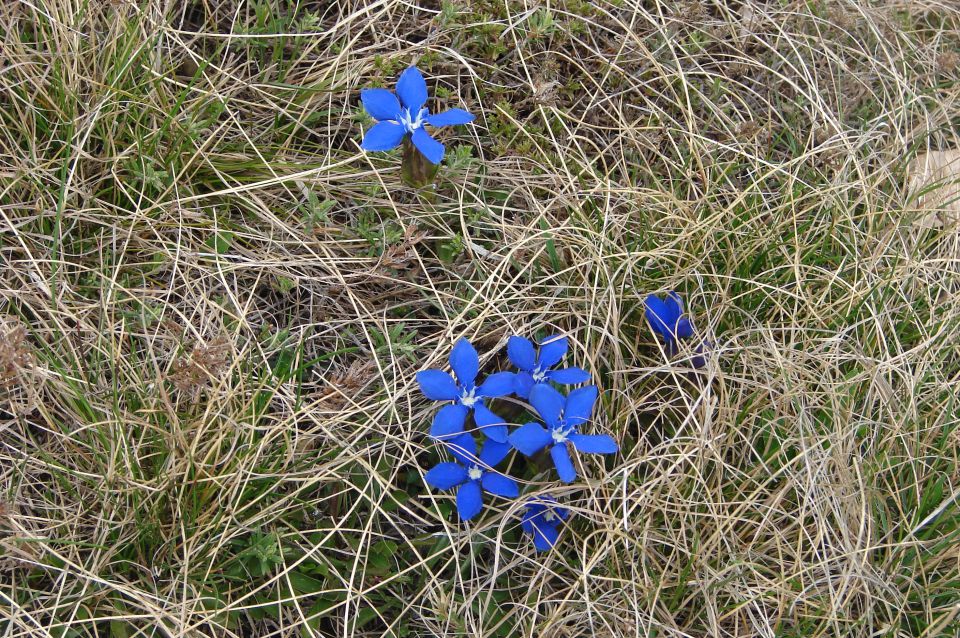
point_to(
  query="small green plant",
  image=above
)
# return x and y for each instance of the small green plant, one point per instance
(397, 341)
(146, 171)
(448, 250)
(257, 555)
(541, 24)
(316, 212)
(379, 234)
(461, 158)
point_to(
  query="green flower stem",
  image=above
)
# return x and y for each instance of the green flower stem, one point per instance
(418, 171)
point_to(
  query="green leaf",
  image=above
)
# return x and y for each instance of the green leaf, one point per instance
(365, 616)
(119, 629)
(316, 613)
(451, 249)
(221, 241)
(551, 246)
(303, 584)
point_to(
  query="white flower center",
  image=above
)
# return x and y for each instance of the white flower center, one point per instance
(559, 435)
(474, 473)
(549, 515)
(539, 376)
(469, 399)
(408, 122)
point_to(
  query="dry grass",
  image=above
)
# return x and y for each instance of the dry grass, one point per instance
(224, 303)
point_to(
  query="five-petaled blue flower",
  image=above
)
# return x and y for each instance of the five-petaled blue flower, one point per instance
(667, 320)
(473, 474)
(397, 118)
(535, 368)
(542, 519)
(563, 416)
(440, 386)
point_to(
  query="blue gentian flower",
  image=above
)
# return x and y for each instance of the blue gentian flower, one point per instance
(667, 320)
(406, 116)
(563, 416)
(536, 367)
(473, 474)
(542, 519)
(440, 386)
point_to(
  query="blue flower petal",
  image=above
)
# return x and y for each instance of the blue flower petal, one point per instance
(450, 118)
(594, 443)
(536, 513)
(700, 359)
(551, 504)
(500, 485)
(568, 376)
(469, 500)
(431, 148)
(552, 350)
(492, 426)
(412, 89)
(684, 328)
(493, 452)
(673, 298)
(497, 385)
(463, 448)
(561, 459)
(384, 136)
(580, 404)
(522, 384)
(521, 353)
(530, 438)
(545, 536)
(662, 315)
(448, 421)
(446, 475)
(548, 403)
(527, 523)
(381, 104)
(539, 504)
(465, 362)
(437, 385)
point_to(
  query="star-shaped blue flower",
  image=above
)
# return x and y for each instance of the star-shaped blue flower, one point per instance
(398, 118)
(667, 320)
(440, 386)
(542, 519)
(472, 474)
(536, 367)
(563, 416)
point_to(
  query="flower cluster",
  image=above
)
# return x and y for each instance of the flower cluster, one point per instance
(401, 119)
(474, 472)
